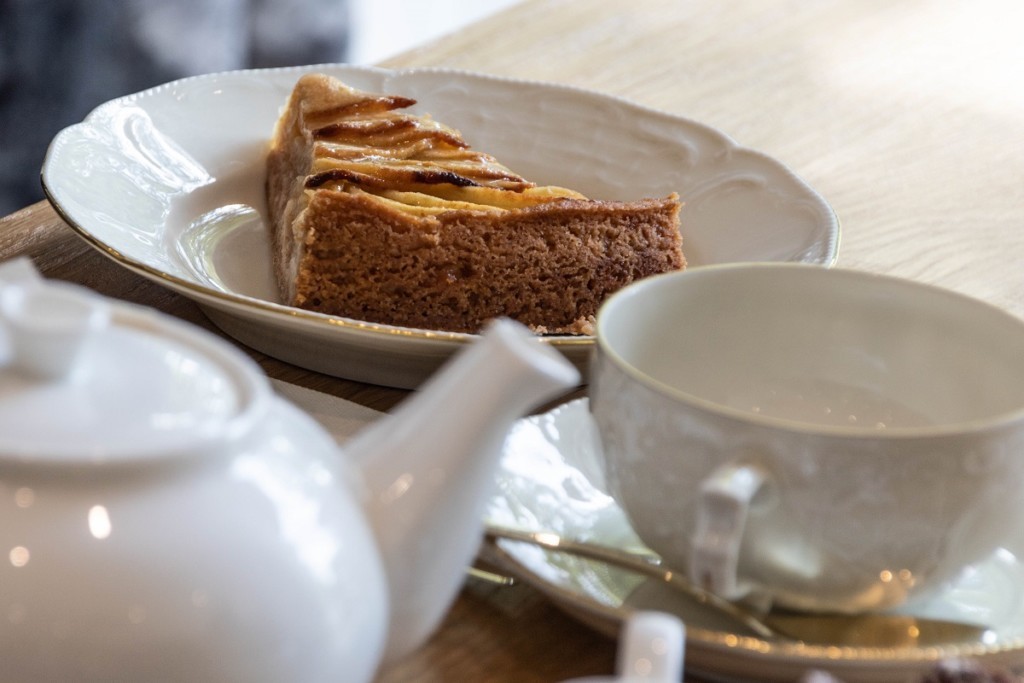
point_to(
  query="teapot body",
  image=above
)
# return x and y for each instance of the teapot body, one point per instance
(165, 517)
(250, 563)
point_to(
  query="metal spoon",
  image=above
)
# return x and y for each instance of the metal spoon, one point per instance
(829, 629)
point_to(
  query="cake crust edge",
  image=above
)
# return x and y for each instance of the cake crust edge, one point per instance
(548, 266)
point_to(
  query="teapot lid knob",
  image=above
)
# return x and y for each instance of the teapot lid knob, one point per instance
(47, 324)
(86, 379)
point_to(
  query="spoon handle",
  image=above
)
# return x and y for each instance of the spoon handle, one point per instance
(855, 630)
(624, 560)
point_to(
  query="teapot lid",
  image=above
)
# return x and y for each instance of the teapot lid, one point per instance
(83, 379)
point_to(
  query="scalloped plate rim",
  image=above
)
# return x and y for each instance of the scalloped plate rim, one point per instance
(356, 331)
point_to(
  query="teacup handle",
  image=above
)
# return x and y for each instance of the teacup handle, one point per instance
(723, 505)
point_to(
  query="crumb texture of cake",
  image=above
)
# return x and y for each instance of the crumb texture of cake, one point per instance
(388, 217)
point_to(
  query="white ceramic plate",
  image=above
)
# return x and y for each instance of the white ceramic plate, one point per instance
(552, 479)
(169, 183)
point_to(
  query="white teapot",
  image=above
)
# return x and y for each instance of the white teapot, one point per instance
(164, 516)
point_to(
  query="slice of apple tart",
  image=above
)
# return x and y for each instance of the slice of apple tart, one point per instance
(388, 217)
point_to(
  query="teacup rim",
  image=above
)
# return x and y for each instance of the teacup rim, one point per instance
(994, 422)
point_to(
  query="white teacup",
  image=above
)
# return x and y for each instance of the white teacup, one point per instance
(827, 439)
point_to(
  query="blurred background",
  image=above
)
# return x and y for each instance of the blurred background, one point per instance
(59, 59)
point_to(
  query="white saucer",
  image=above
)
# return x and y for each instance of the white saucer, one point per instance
(169, 183)
(552, 480)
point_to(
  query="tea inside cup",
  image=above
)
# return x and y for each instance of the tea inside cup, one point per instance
(828, 439)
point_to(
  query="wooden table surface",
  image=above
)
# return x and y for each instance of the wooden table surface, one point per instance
(908, 116)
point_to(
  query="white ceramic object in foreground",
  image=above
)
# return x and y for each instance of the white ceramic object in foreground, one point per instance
(163, 516)
(169, 183)
(826, 439)
(652, 647)
(553, 479)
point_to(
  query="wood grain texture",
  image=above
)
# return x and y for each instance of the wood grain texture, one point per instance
(58, 252)
(908, 116)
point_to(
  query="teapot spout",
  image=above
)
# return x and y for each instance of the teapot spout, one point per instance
(429, 469)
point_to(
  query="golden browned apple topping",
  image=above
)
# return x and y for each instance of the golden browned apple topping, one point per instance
(364, 142)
